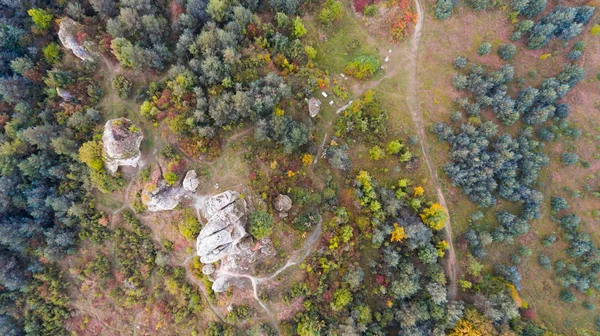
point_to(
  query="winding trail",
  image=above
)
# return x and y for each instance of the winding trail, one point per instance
(417, 118)
(297, 257)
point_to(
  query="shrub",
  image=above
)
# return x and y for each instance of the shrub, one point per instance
(484, 48)
(170, 178)
(456, 116)
(90, 153)
(376, 153)
(52, 53)
(341, 298)
(299, 29)
(558, 204)
(41, 18)
(443, 9)
(529, 8)
(371, 10)
(524, 251)
(579, 45)
(261, 224)
(122, 85)
(544, 262)
(478, 5)
(189, 227)
(460, 62)
(595, 30)
(567, 296)
(394, 147)
(548, 240)
(574, 55)
(507, 51)
(569, 158)
(362, 67)
(311, 52)
(434, 216)
(331, 12)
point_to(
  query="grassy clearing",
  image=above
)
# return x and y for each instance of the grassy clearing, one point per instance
(341, 43)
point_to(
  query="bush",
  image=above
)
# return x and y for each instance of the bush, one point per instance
(376, 153)
(41, 18)
(574, 55)
(569, 158)
(507, 51)
(558, 204)
(544, 262)
(567, 296)
(52, 53)
(261, 224)
(549, 240)
(595, 30)
(484, 48)
(371, 10)
(341, 298)
(122, 85)
(443, 9)
(460, 62)
(189, 227)
(170, 178)
(362, 67)
(331, 12)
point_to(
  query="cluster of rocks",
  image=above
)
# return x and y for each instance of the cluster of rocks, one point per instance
(67, 31)
(225, 239)
(121, 144)
(165, 197)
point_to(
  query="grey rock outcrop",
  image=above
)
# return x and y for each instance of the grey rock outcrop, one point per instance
(208, 269)
(226, 214)
(64, 94)
(314, 106)
(162, 198)
(67, 31)
(121, 144)
(190, 182)
(282, 203)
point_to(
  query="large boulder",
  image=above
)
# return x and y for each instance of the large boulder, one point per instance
(162, 198)
(121, 144)
(190, 182)
(282, 203)
(226, 214)
(67, 34)
(314, 106)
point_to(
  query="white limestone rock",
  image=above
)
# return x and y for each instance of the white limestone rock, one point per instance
(67, 31)
(314, 107)
(282, 203)
(162, 199)
(191, 182)
(208, 269)
(121, 144)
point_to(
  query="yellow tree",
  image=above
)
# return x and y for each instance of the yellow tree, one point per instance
(434, 216)
(397, 233)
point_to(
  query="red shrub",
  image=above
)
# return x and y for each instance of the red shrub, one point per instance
(360, 5)
(528, 313)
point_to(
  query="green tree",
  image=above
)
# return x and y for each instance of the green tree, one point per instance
(52, 53)
(90, 153)
(41, 18)
(376, 153)
(170, 178)
(484, 48)
(261, 224)
(189, 227)
(299, 29)
(341, 298)
(122, 85)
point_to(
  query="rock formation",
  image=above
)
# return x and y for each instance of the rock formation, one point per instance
(314, 106)
(67, 35)
(226, 214)
(162, 198)
(225, 239)
(190, 182)
(283, 204)
(121, 144)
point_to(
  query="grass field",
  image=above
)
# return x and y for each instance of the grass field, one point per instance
(460, 36)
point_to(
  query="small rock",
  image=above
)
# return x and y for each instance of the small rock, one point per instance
(282, 203)
(314, 106)
(343, 108)
(390, 51)
(324, 94)
(190, 182)
(208, 269)
(387, 59)
(216, 186)
(64, 94)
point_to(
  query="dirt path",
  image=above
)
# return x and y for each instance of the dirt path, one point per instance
(417, 118)
(297, 257)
